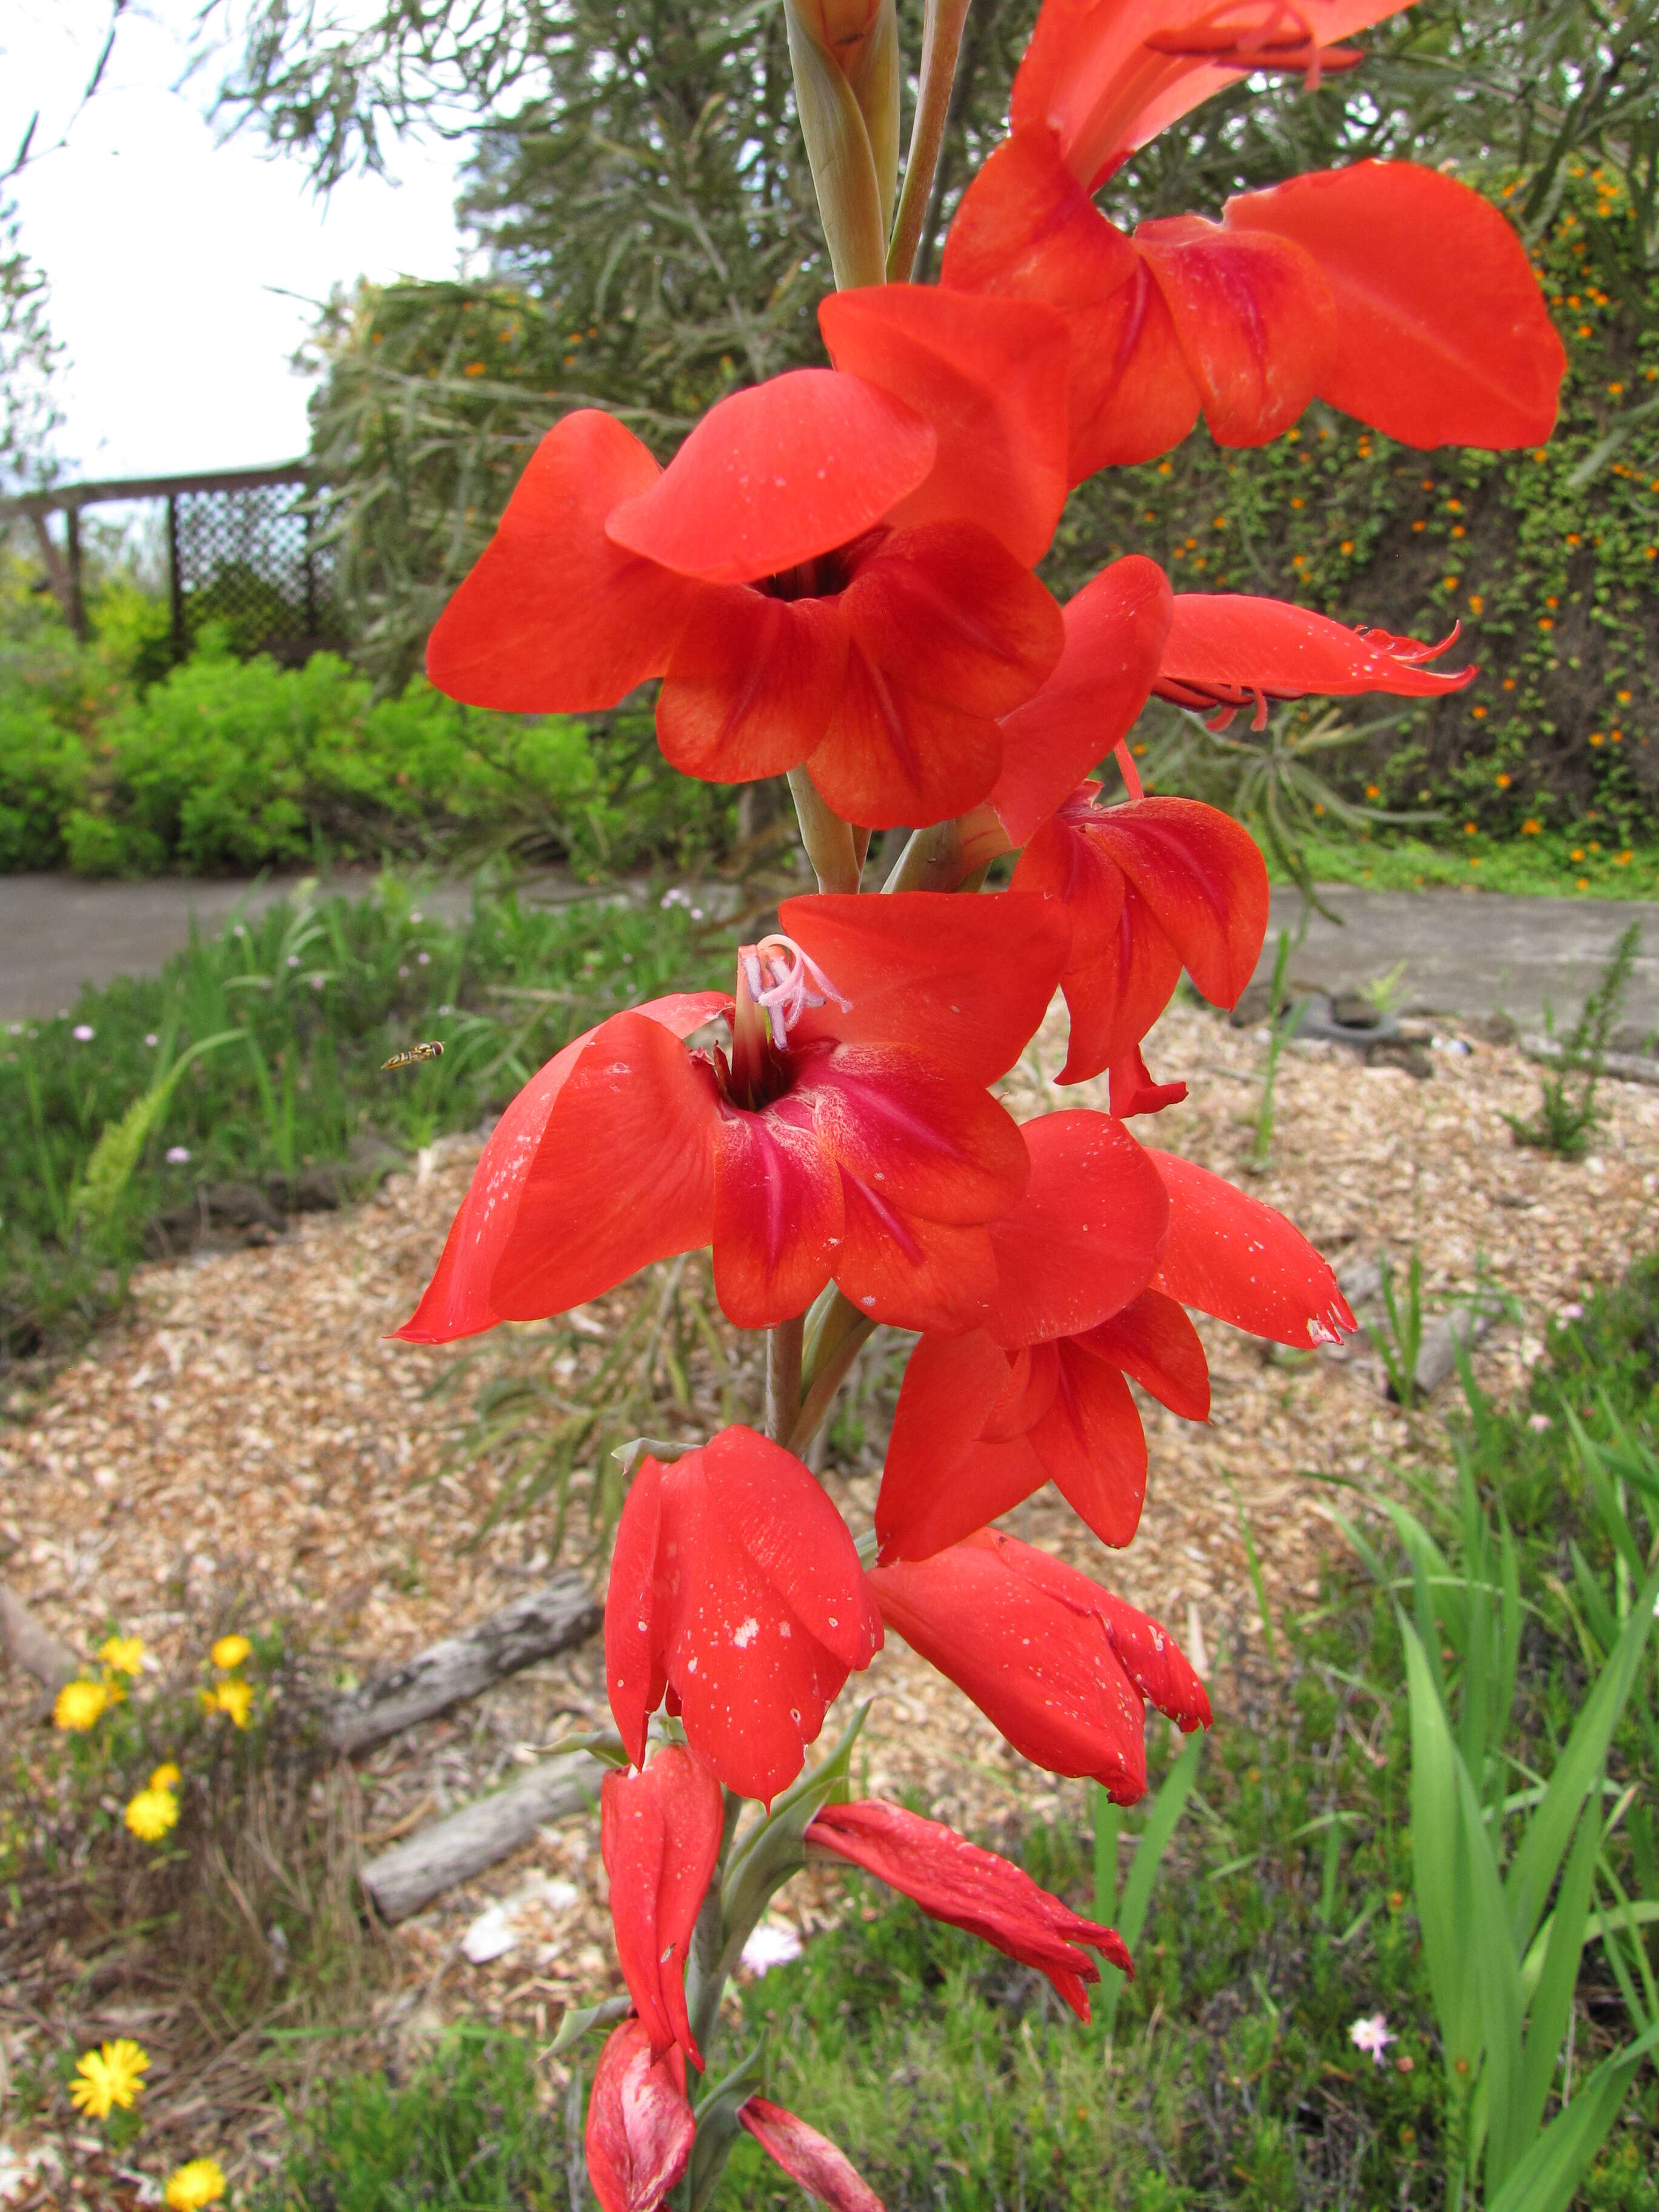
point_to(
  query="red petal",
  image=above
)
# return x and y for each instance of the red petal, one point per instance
(778, 1215)
(1132, 1090)
(1443, 336)
(1116, 628)
(1088, 71)
(1143, 1647)
(458, 1300)
(751, 685)
(1153, 1340)
(948, 632)
(623, 1174)
(659, 1835)
(640, 2128)
(1226, 647)
(939, 1483)
(779, 1513)
(632, 1674)
(753, 1683)
(809, 2157)
(924, 1140)
(1056, 1691)
(554, 616)
(1064, 862)
(1254, 318)
(910, 1272)
(1086, 1236)
(1027, 230)
(1234, 1257)
(990, 376)
(776, 475)
(1202, 875)
(965, 980)
(1093, 1447)
(956, 1882)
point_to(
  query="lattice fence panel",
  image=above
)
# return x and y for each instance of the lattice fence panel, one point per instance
(245, 559)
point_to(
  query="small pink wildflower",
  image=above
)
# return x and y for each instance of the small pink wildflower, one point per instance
(1372, 2034)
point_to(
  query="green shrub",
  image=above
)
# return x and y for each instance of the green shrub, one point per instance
(42, 775)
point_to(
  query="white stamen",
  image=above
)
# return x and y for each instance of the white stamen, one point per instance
(786, 981)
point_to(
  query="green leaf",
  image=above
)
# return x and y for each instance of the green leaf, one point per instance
(1533, 1866)
(121, 1145)
(717, 2114)
(582, 2020)
(1552, 2005)
(1439, 1867)
(1166, 1810)
(1549, 2176)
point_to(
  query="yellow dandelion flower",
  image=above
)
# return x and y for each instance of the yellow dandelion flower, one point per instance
(201, 2182)
(235, 1698)
(230, 1651)
(113, 2075)
(151, 1813)
(165, 1776)
(80, 1705)
(123, 1655)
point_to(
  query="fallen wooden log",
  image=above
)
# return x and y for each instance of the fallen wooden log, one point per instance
(31, 1645)
(401, 1881)
(561, 1613)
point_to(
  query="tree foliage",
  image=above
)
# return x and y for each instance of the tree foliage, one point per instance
(28, 358)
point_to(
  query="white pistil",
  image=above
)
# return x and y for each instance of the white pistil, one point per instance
(785, 980)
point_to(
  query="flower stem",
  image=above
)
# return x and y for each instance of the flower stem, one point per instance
(836, 1345)
(941, 43)
(946, 855)
(829, 841)
(783, 1345)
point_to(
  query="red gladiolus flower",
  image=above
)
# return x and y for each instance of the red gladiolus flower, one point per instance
(857, 1140)
(1225, 651)
(955, 1881)
(1390, 291)
(1150, 888)
(659, 1834)
(980, 1427)
(639, 2129)
(985, 1421)
(835, 569)
(1063, 1668)
(735, 1587)
(808, 2157)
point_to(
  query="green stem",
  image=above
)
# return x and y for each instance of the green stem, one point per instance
(829, 841)
(837, 1335)
(783, 1353)
(941, 43)
(950, 856)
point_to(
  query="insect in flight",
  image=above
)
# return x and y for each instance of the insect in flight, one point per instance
(414, 1052)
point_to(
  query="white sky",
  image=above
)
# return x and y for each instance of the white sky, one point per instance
(169, 254)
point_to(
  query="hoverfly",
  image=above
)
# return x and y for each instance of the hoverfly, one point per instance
(414, 1053)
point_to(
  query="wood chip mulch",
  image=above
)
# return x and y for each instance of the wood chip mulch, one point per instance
(247, 1427)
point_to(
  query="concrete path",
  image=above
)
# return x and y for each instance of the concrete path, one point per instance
(1472, 952)
(1466, 952)
(57, 932)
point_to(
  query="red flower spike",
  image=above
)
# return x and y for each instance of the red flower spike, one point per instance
(1443, 338)
(820, 576)
(1226, 650)
(1036, 1648)
(659, 1834)
(1254, 318)
(1116, 628)
(990, 376)
(737, 1586)
(808, 2157)
(748, 493)
(1230, 1256)
(639, 2129)
(858, 1144)
(1109, 75)
(1150, 887)
(955, 1881)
